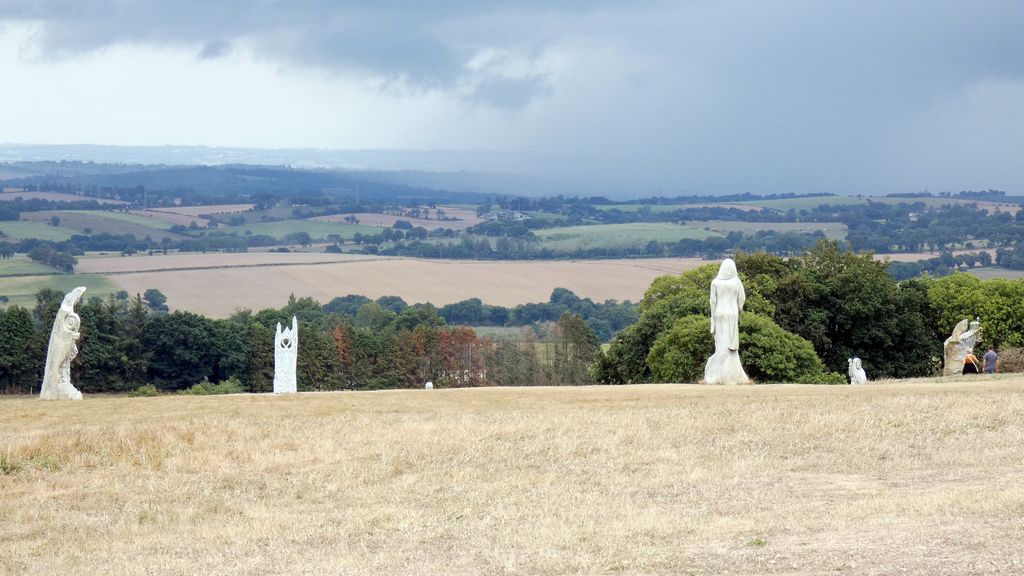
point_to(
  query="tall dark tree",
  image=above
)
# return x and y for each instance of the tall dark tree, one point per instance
(20, 361)
(182, 346)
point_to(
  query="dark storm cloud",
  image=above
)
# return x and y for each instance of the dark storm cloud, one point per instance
(423, 44)
(869, 96)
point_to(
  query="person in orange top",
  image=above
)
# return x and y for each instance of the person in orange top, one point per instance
(971, 365)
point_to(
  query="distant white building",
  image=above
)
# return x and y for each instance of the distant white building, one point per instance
(514, 215)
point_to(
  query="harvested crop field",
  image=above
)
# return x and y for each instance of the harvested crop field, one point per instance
(104, 264)
(218, 292)
(171, 218)
(209, 209)
(902, 478)
(918, 256)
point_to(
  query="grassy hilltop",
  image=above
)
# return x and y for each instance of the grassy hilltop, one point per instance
(915, 477)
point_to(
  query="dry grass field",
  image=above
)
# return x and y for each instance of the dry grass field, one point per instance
(898, 478)
(171, 217)
(918, 256)
(113, 264)
(208, 209)
(218, 284)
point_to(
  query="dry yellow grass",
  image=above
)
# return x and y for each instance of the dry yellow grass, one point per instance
(208, 209)
(170, 217)
(218, 284)
(903, 478)
(115, 263)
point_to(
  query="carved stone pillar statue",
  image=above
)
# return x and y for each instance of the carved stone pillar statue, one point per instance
(959, 344)
(286, 354)
(62, 350)
(727, 298)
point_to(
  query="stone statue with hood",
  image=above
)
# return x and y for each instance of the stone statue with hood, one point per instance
(727, 298)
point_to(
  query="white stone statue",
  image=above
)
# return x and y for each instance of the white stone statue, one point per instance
(856, 371)
(429, 385)
(959, 345)
(57, 375)
(727, 298)
(286, 354)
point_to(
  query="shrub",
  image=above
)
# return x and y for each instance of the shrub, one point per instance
(145, 390)
(206, 388)
(823, 378)
(768, 353)
(1010, 359)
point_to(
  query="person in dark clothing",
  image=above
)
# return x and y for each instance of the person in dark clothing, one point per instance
(991, 359)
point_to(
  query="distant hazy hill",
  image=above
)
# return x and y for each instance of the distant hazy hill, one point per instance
(485, 173)
(224, 180)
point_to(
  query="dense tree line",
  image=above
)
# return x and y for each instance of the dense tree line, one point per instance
(604, 319)
(529, 248)
(126, 343)
(945, 264)
(834, 302)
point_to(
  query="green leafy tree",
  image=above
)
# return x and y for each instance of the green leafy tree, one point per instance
(347, 305)
(318, 363)
(155, 299)
(182, 345)
(373, 316)
(768, 353)
(101, 362)
(578, 347)
(997, 302)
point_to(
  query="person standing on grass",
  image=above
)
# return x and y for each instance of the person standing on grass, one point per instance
(971, 365)
(991, 358)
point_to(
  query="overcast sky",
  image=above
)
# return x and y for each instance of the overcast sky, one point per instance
(646, 97)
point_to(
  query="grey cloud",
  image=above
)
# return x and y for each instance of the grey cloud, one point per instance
(676, 95)
(424, 45)
(214, 50)
(509, 93)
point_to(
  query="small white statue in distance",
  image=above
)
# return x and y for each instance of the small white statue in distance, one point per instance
(429, 385)
(286, 354)
(57, 374)
(959, 345)
(857, 375)
(727, 298)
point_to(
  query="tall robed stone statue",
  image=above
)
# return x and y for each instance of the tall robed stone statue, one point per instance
(62, 350)
(727, 298)
(286, 354)
(856, 371)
